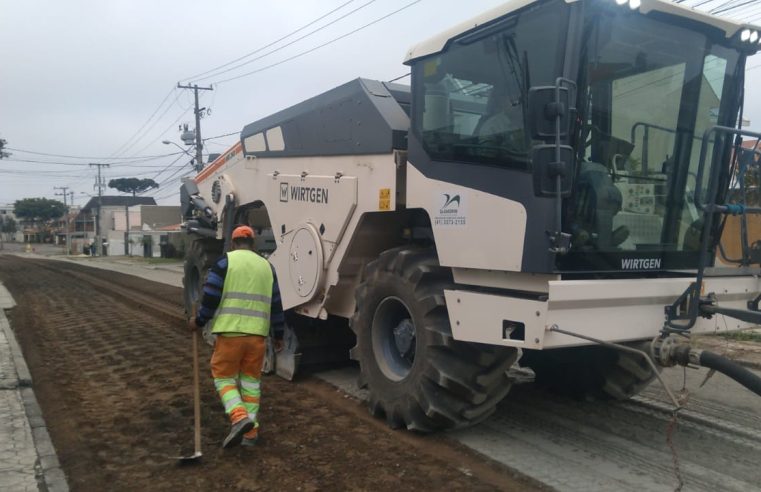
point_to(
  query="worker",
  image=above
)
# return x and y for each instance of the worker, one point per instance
(502, 125)
(242, 299)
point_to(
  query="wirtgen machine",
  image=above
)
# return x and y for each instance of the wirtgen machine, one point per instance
(552, 186)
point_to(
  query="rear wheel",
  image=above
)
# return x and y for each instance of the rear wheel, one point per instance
(417, 375)
(200, 257)
(591, 372)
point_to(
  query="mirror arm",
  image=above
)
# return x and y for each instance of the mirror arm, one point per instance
(560, 241)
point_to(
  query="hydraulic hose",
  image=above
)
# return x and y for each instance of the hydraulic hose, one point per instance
(732, 370)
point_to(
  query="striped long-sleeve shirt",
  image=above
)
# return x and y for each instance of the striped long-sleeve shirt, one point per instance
(212, 296)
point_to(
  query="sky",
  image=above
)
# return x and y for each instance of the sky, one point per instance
(96, 80)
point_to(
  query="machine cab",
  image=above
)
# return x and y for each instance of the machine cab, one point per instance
(639, 85)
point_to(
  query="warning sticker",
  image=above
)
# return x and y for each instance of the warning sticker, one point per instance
(384, 199)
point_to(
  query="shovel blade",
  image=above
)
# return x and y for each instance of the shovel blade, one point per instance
(189, 460)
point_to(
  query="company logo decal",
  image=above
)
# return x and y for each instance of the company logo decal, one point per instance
(452, 210)
(303, 194)
(640, 263)
(448, 201)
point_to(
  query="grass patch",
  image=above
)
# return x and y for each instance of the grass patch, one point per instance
(742, 336)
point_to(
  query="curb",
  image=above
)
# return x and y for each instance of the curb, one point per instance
(22, 370)
(50, 476)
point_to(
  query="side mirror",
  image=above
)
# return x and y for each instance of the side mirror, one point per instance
(547, 168)
(544, 110)
(187, 190)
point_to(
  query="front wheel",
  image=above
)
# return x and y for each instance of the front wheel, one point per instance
(417, 375)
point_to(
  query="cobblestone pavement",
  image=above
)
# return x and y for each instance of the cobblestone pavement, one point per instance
(28, 460)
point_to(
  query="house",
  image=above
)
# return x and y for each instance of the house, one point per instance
(149, 229)
(8, 217)
(97, 218)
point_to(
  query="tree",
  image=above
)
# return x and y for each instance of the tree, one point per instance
(8, 225)
(3, 153)
(132, 185)
(39, 209)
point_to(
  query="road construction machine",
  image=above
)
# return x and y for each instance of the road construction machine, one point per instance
(551, 188)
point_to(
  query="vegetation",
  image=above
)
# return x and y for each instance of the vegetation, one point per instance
(743, 336)
(8, 225)
(3, 153)
(132, 185)
(39, 209)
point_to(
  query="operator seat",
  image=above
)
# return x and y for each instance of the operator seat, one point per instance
(598, 201)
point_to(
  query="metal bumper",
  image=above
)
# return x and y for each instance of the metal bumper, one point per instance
(611, 310)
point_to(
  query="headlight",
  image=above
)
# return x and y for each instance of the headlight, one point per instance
(754, 36)
(635, 4)
(745, 35)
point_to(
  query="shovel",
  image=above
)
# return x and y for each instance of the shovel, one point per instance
(196, 456)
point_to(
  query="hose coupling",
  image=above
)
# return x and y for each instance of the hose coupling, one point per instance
(673, 349)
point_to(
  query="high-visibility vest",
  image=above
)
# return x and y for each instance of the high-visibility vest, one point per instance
(246, 295)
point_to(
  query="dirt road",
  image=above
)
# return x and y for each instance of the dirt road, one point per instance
(113, 378)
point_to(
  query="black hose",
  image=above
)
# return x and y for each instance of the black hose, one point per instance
(732, 370)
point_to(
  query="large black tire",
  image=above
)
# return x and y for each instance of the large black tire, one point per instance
(591, 372)
(427, 381)
(200, 256)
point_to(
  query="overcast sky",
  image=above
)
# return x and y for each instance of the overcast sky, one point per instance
(82, 78)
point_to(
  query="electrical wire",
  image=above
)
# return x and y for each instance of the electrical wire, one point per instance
(84, 157)
(280, 48)
(298, 55)
(149, 128)
(86, 165)
(221, 136)
(119, 151)
(193, 77)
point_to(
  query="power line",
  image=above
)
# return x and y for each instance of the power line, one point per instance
(279, 48)
(221, 136)
(119, 150)
(81, 164)
(169, 127)
(298, 55)
(149, 128)
(86, 157)
(196, 76)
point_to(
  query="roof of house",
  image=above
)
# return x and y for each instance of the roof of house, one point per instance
(118, 201)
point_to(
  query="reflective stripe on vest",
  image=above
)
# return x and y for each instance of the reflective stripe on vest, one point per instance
(246, 295)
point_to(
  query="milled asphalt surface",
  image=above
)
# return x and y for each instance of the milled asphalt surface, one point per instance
(584, 446)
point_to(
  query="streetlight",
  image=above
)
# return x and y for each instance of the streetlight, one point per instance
(169, 142)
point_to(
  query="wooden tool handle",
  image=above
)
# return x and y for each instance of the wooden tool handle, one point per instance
(196, 395)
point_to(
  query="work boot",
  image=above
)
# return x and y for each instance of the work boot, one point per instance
(249, 443)
(250, 438)
(236, 432)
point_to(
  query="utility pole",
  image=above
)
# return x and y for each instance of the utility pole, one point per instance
(100, 184)
(65, 204)
(199, 112)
